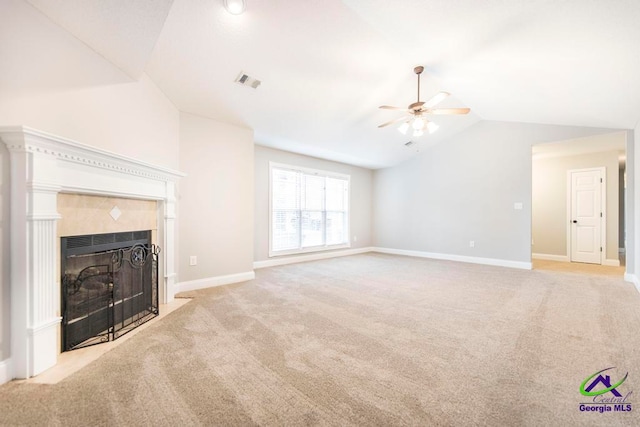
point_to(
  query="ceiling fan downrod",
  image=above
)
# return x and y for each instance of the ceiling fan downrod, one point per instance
(418, 70)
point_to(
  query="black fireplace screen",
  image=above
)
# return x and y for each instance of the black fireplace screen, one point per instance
(109, 286)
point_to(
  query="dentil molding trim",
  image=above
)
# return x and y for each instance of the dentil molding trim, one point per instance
(24, 138)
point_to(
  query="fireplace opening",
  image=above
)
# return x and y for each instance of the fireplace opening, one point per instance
(109, 286)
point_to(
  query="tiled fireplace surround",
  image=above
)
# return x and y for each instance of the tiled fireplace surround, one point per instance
(42, 167)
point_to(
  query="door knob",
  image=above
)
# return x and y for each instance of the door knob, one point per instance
(574, 221)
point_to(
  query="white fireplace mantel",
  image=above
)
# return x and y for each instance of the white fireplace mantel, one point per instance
(43, 165)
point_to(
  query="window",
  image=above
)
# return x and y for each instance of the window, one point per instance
(309, 210)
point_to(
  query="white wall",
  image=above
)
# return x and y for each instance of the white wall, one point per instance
(215, 202)
(51, 81)
(549, 200)
(464, 189)
(361, 195)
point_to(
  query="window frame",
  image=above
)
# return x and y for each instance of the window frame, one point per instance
(318, 248)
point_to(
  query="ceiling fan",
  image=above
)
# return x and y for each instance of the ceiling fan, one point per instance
(416, 112)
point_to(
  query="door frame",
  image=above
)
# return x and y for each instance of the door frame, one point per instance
(603, 208)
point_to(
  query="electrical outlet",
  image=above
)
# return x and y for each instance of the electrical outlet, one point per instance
(355, 238)
(193, 260)
(472, 244)
(532, 244)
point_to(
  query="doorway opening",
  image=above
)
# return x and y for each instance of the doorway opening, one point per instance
(578, 205)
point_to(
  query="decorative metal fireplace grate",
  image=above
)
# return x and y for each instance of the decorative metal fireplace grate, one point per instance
(109, 286)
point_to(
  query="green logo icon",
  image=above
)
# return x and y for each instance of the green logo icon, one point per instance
(605, 381)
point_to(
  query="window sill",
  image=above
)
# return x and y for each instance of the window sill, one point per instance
(309, 250)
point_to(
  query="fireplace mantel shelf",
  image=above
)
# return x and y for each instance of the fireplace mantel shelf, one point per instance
(36, 141)
(42, 166)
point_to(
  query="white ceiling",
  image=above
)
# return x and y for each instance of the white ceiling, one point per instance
(124, 32)
(326, 65)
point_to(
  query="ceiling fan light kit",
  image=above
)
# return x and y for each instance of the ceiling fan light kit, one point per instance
(418, 110)
(404, 128)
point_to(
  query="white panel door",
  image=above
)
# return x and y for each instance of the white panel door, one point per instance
(586, 216)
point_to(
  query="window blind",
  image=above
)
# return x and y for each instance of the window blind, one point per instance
(309, 210)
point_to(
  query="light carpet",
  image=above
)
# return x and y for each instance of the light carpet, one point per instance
(368, 339)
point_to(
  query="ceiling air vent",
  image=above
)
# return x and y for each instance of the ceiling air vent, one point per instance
(246, 80)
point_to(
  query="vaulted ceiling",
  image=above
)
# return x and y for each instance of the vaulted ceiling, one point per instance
(326, 65)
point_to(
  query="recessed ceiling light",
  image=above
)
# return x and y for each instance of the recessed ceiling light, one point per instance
(234, 7)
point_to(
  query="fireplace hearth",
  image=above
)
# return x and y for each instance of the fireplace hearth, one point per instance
(109, 286)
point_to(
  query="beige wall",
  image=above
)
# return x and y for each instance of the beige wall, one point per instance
(549, 196)
(215, 200)
(360, 195)
(632, 205)
(5, 250)
(632, 202)
(621, 208)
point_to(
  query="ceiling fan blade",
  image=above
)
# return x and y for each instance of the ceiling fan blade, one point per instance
(448, 111)
(394, 121)
(436, 99)
(388, 107)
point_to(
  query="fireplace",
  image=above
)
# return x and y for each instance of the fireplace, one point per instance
(109, 286)
(43, 167)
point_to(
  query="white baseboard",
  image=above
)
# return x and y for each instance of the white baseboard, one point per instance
(460, 258)
(210, 282)
(5, 371)
(311, 257)
(633, 279)
(549, 257)
(564, 258)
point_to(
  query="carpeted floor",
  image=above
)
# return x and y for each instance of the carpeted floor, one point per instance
(363, 340)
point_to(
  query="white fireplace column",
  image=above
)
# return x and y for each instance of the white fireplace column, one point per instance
(166, 238)
(35, 302)
(43, 165)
